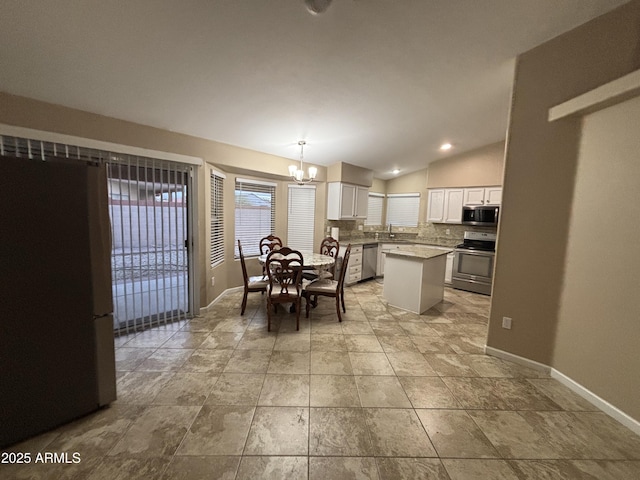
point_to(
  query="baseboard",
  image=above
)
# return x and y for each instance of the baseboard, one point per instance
(215, 300)
(606, 407)
(525, 362)
(588, 395)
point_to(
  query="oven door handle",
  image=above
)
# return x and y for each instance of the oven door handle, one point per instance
(482, 253)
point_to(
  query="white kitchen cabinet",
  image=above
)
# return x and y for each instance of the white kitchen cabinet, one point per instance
(448, 273)
(483, 196)
(346, 202)
(354, 272)
(435, 205)
(493, 196)
(453, 205)
(387, 247)
(445, 205)
(414, 280)
(383, 249)
(474, 196)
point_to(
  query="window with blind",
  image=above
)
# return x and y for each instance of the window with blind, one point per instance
(255, 214)
(301, 214)
(402, 209)
(374, 209)
(216, 234)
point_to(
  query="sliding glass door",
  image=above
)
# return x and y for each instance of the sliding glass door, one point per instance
(149, 210)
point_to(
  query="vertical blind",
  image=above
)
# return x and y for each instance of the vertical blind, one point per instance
(374, 209)
(301, 214)
(216, 234)
(148, 208)
(255, 214)
(402, 209)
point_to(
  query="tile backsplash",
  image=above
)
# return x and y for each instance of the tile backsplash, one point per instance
(444, 234)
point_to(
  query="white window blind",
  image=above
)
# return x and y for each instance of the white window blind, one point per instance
(301, 214)
(216, 234)
(374, 209)
(255, 214)
(402, 209)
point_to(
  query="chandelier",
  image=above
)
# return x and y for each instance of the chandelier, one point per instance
(297, 173)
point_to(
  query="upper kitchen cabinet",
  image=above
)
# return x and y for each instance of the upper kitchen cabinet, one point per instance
(435, 205)
(346, 201)
(453, 205)
(347, 191)
(445, 205)
(483, 196)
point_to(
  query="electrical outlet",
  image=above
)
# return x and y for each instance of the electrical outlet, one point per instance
(360, 227)
(448, 231)
(213, 281)
(506, 323)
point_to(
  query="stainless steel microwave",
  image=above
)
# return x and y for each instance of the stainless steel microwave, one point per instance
(480, 215)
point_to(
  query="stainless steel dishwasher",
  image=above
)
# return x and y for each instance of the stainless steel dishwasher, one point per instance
(369, 260)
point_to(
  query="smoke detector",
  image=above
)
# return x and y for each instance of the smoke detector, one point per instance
(316, 7)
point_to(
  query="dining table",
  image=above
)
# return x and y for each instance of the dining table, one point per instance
(312, 261)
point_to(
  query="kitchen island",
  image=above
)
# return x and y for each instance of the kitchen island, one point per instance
(414, 277)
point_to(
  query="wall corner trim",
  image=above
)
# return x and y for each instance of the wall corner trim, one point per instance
(626, 420)
(512, 357)
(604, 96)
(204, 310)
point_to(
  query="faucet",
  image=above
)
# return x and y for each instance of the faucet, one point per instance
(391, 235)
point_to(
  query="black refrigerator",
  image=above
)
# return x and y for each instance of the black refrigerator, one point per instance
(57, 359)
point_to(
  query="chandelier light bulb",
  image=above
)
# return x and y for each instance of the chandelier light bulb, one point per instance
(297, 173)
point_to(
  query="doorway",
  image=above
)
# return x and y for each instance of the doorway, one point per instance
(149, 212)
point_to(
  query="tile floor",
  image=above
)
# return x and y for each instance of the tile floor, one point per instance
(385, 395)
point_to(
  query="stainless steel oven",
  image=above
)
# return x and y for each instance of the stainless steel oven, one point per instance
(473, 263)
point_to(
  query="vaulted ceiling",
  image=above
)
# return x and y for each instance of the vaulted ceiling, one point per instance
(376, 83)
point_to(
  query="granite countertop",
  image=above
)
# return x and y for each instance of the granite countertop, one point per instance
(418, 251)
(368, 241)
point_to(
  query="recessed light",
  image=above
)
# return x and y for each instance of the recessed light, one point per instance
(445, 146)
(395, 171)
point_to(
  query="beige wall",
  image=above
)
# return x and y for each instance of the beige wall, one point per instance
(234, 161)
(411, 183)
(347, 173)
(540, 168)
(378, 186)
(598, 325)
(480, 167)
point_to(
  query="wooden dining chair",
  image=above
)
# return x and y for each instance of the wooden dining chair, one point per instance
(251, 284)
(284, 269)
(329, 246)
(329, 288)
(267, 245)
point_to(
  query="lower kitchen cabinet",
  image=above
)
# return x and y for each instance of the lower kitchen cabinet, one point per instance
(387, 247)
(448, 273)
(354, 273)
(384, 248)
